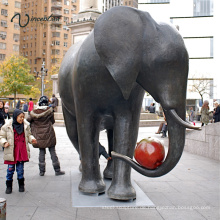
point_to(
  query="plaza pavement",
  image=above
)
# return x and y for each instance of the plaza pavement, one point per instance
(191, 191)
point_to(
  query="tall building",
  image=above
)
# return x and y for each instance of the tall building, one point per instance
(46, 38)
(107, 4)
(197, 22)
(9, 32)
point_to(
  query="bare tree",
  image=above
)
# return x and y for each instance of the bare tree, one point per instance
(202, 86)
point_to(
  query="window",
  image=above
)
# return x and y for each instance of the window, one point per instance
(17, 4)
(3, 46)
(45, 9)
(30, 53)
(65, 36)
(65, 44)
(35, 60)
(27, 45)
(193, 45)
(44, 42)
(16, 26)
(202, 7)
(30, 61)
(66, 11)
(3, 34)
(15, 47)
(64, 52)
(56, 42)
(4, 23)
(16, 37)
(2, 56)
(4, 12)
(55, 34)
(44, 34)
(55, 60)
(157, 1)
(66, 2)
(66, 19)
(55, 52)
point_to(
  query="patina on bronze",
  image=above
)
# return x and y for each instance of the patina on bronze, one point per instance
(102, 81)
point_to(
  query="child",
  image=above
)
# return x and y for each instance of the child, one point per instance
(14, 137)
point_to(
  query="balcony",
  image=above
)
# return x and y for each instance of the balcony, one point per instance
(56, 13)
(56, 5)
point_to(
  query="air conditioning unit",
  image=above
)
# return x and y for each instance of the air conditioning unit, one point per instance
(67, 29)
(6, 3)
(6, 15)
(16, 40)
(25, 6)
(43, 53)
(6, 26)
(52, 44)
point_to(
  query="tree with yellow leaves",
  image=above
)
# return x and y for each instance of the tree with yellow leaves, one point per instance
(16, 77)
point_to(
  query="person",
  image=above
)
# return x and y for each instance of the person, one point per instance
(102, 151)
(30, 105)
(205, 113)
(152, 108)
(25, 107)
(14, 136)
(6, 115)
(54, 102)
(7, 104)
(2, 113)
(216, 112)
(18, 104)
(161, 125)
(191, 114)
(42, 120)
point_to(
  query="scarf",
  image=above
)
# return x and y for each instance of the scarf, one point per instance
(17, 126)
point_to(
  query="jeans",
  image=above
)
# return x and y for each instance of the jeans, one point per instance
(19, 170)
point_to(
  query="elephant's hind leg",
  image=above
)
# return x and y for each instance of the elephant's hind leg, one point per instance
(88, 131)
(71, 127)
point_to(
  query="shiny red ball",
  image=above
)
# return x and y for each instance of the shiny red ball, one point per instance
(149, 153)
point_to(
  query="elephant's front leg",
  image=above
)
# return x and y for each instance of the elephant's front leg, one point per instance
(124, 142)
(88, 132)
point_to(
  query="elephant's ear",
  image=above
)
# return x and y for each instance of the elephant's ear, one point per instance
(118, 37)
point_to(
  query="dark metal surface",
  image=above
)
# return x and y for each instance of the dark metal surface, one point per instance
(102, 82)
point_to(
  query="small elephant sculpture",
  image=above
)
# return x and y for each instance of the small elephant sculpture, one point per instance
(102, 81)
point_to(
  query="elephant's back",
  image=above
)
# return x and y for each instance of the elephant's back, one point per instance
(65, 76)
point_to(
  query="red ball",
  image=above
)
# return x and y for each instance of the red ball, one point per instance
(149, 153)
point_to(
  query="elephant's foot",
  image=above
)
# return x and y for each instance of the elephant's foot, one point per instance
(108, 172)
(92, 186)
(121, 192)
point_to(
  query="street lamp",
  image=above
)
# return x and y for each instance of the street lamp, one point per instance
(43, 73)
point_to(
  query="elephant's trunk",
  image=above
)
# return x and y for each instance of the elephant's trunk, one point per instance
(176, 145)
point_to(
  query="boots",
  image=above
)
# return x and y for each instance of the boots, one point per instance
(9, 186)
(56, 167)
(42, 168)
(21, 185)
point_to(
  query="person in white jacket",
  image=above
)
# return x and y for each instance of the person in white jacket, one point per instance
(14, 137)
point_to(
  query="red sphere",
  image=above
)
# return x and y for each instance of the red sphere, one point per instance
(149, 153)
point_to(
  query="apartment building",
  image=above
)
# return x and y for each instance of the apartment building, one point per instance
(46, 38)
(197, 22)
(107, 4)
(9, 32)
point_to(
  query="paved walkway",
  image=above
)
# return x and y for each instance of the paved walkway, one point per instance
(191, 191)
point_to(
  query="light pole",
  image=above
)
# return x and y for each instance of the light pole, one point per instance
(42, 79)
(43, 73)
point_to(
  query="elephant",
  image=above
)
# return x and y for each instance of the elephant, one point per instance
(102, 81)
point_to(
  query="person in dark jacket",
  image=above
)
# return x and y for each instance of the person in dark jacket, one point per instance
(2, 114)
(42, 120)
(151, 108)
(25, 107)
(216, 113)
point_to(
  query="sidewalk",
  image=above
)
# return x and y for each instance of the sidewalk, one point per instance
(190, 191)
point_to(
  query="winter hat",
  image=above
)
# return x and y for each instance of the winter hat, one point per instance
(43, 101)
